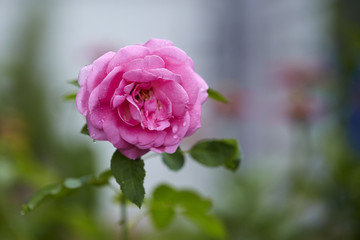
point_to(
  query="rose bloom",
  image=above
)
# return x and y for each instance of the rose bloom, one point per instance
(143, 97)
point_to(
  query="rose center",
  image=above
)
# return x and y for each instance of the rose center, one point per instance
(145, 94)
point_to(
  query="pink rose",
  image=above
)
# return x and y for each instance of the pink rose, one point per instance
(144, 97)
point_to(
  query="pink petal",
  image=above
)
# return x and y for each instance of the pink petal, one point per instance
(149, 62)
(195, 111)
(135, 112)
(111, 133)
(134, 109)
(140, 137)
(162, 73)
(195, 119)
(179, 127)
(165, 112)
(112, 127)
(150, 105)
(203, 95)
(82, 99)
(176, 94)
(105, 90)
(122, 86)
(168, 149)
(98, 72)
(161, 125)
(134, 153)
(154, 44)
(126, 115)
(84, 74)
(191, 82)
(171, 149)
(139, 75)
(96, 133)
(174, 56)
(117, 101)
(98, 116)
(157, 149)
(128, 88)
(126, 55)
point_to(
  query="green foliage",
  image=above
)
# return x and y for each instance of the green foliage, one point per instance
(217, 96)
(168, 202)
(51, 190)
(233, 162)
(162, 208)
(217, 152)
(102, 179)
(210, 153)
(130, 175)
(174, 161)
(208, 224)
(64, 188)
(31, 152)
(74, 82)
(84, 130)
(70, 96)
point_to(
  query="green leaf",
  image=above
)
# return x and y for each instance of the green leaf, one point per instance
(167, 202)
(217, 96)
(64, 188)
(174, 161)
(74, 82)
(208, 223)
(233, 163)
(162, 206)
(192, 202)
(165, 194)
(55, 190)
(40, 196)
(162, 216)
(74, 183)
(103, 178)
(217, 152)
(84, 130)
(70, 96)
(213, 153)
(130, 175)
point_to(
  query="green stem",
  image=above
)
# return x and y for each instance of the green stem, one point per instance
(124, 222)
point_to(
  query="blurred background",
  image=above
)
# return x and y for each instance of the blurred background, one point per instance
(291, 69)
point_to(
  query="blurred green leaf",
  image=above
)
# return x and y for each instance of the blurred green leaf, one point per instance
(164, 193)
(217, 152)
(85, 130)
(64, 188)
(70, 96)
(174, 161)
(38, 154)
(103, 178)
(130, 175)
(167, 202)
(217, 96)
(233, 163)
(162, 216)
(208, 223)
(74, 183)
(54, 191)
(162, 209)
(39, 197)
(74, 82)
(192, 201)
